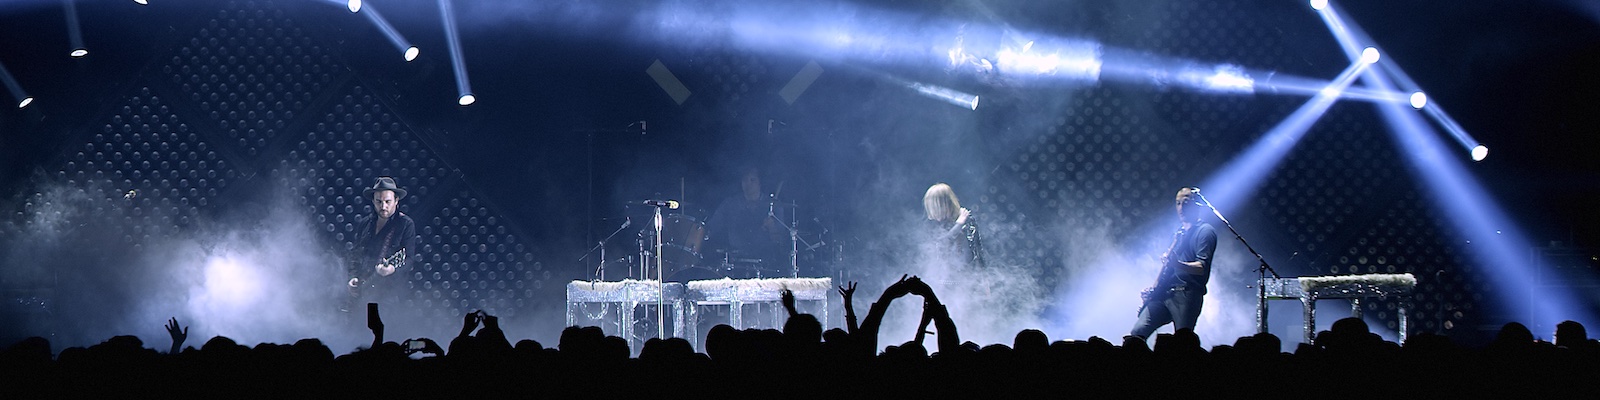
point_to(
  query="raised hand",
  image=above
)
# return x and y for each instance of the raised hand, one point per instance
(179, 334)
(916, 286)
(847, 291)
(428, 347)
(384, 269)
(470, 323)
(788, 301)
(899, 288)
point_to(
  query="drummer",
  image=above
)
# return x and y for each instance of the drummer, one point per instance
(747, 226)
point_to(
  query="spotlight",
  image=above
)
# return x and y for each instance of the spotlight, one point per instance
(974, 103)
(1370, 55)
(406, 49)
(74, 33)
(142, 2)
(1478, 153)
(354, 5)
(1319, 4)
(453, 41)
(1419, 100)
(15, 89)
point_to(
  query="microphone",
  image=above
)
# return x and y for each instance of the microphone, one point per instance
(669, 204)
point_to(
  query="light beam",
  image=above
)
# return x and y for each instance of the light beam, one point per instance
(463, 89)
(23, 99)
(400, 43)
(74, 33)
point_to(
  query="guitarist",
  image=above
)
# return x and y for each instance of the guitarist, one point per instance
(1186, 267)
(388, 231)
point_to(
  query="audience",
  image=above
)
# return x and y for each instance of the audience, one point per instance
(803, 360)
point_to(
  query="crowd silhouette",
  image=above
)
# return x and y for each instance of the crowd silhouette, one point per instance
(802, 360)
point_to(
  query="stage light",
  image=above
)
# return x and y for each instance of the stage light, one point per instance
(453, 40)
(406, 49)
(1497, 243)
(23, 99)
(948, 95)
(1236, 180)
(142, 2)
(1319, 4)
(1222, 78)
(1369, 55)
(1070, 60)
(74, 34)
(353, 5)
(1349, 34)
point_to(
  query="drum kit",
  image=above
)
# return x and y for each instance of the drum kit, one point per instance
(686, 251)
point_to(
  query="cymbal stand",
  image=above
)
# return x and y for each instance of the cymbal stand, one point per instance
(794, 236)
(600, 271)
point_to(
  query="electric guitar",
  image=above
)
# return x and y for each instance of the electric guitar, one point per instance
(396, 260)
(1162, 288)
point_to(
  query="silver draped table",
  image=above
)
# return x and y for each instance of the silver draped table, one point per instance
(627, 295)
(735, 293)
(1354, 287)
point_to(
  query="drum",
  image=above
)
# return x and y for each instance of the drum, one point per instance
(681, 238)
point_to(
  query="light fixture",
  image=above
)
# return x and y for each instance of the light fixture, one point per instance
(406, 49)
(463, 87)
(74, 33)
(23, 99)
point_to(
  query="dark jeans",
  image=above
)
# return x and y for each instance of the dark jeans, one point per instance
(1181, 309)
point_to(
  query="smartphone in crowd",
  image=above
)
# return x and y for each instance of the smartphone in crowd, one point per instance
(373, 320)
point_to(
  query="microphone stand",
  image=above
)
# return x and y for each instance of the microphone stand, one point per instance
(601, 269)
(661, 285)
(1261, 271)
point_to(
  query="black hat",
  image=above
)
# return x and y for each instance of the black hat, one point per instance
(385, 183)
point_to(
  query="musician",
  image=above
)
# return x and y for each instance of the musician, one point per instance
(1186, 267)
(955, 227)
(380, 236)
(748, 225)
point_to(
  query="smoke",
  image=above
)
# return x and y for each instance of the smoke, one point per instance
(261, 275)
(1100, 297)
